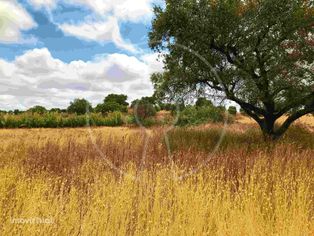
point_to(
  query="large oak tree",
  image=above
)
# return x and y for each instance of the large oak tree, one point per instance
(257, 53)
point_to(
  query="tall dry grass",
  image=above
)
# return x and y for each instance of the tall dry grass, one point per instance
(245, 188)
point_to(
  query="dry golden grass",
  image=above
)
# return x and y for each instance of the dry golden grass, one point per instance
(246, 188)
(306, 120)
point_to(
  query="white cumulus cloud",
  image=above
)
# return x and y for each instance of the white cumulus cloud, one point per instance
(107, 14)
(100, 31)
(43, 3)
(132, 10)
(129, 10)
(13, 20)
(36, 77)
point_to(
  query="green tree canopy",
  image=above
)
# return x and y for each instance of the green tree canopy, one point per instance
(151, 100)
(37, 109)
(257, 53)
(117, 98)
(110, 106)
(113, 102)
(80, 106)
(55, 110)
(17, 112)
(144, 107)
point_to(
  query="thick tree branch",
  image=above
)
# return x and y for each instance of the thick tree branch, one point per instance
(292, 119)
(294, 104)
(258, 111)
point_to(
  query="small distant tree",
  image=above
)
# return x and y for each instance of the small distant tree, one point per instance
(110, 107)
(151, 100)
(232, 110)
(36, 109)
(144, 107)
(55, 110)
(117, 98)
(113, 102)
(80, 107)
(17, 112)
(99, 108)
(145, 110)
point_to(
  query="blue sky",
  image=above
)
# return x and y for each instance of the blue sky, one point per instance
(52, 51)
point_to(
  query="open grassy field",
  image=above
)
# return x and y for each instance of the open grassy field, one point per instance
(122, 181)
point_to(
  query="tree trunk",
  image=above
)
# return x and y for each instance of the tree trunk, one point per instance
(269, 129)
(268, 123)
(271, 136)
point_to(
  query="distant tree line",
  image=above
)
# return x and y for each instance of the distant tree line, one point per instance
(114, 110)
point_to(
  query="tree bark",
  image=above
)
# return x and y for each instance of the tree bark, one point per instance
(268, 128)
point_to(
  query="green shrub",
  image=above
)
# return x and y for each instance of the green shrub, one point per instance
(192, 115)
(113, 119)
(130, 120)
(144, 109)
(55, 110)
(221, 108)
(55, 120)
(232, 110)
(148, 122)
(203, 102)
(111, 106)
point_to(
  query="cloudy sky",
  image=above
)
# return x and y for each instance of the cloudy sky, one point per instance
(52, 51)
